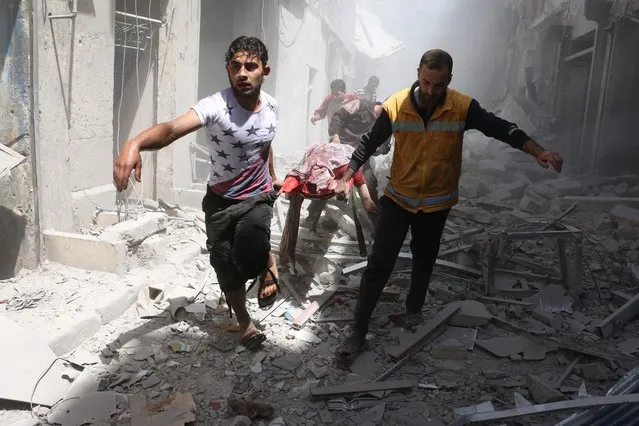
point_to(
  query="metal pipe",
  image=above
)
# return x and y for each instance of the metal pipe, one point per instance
(140, 18)
(67, 16)
(72, 15)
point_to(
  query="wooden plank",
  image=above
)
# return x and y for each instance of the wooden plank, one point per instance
(505, 301)
(302, 317)
(461, 236)
(619, 317)
(280, 214)
(596, 401)
(457, 267)
(328, 392)
(423, 333)
(620, 297)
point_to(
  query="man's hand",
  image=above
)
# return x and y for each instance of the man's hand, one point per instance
(128, 160)
(554, 159)
(334, 139)
(342, 189)
(277, 185)
(315, 118)
(369, 205)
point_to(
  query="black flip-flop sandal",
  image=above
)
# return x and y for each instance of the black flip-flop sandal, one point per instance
(407, 320)
(354, 346)
(253, 340)
(267, 301)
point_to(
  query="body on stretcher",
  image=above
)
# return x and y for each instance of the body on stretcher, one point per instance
(316, 179)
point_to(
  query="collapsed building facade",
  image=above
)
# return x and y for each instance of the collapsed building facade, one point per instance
(79, 79)
(572, 67)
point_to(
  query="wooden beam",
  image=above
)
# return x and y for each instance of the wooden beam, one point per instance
(423, 333)
(329, 392)
(596, 401)
(619, 317)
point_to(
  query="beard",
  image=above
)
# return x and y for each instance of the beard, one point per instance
(245, 92)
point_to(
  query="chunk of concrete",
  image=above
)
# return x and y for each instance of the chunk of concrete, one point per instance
(105, 219)
(471, 314)
(450, 349)
(627, 221)
(93, 408)
(594, 371)
(566, 187)
(541, 392)
(533, 202)
(136, 231)
(85, 251)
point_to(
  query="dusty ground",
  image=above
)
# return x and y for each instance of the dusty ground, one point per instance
(132, 355)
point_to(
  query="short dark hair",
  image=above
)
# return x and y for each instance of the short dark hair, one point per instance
(373, 79)
(437, 59)
(338, 85)
(251, 45)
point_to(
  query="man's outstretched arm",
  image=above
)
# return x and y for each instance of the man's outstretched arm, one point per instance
(495, 127)
(151, 139)
(379, 133)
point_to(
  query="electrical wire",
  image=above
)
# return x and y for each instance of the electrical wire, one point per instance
(297, 33)
(35, 387)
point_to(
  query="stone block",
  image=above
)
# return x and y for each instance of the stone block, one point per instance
(566, 187)
(471, 314)
(492, 167)
(68, 331)
(136, 231)
(85, 251)
(533, 202)
(627, 220)
(105, 219)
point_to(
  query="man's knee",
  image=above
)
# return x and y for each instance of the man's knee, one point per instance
(251, 249)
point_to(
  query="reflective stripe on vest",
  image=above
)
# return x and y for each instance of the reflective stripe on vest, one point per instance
(446, 126)
(408, 126)
(422, 202)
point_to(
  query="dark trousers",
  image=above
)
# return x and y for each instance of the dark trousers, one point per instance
(238, 242)
(392, 226)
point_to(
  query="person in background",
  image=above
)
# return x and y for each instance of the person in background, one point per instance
(332, 102)
(241, 121)
(369, 92)
(428, 121)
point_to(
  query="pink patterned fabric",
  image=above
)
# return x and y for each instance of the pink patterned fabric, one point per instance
(316, 173)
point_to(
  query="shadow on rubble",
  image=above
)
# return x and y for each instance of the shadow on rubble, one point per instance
(12, 232)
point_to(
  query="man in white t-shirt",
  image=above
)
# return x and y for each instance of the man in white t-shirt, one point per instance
(241, 122)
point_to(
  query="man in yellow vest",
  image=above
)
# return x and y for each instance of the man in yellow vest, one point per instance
(428, 121)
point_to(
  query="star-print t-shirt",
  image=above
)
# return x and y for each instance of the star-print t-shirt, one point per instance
(239, 142)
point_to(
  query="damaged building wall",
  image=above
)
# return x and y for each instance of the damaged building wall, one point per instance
(19, 236)
(74, 119)
(570, 64)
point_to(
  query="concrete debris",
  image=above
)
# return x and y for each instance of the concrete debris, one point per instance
(553, 298)
(287, 362)
(504, 347)
(136, 231)
(251, 409)
(484, 407)
(520, 401)
(541, 392)
(471, 314)
(91, 408)
(364, 364)
(450, 349)
(595, 371)
(177, 410)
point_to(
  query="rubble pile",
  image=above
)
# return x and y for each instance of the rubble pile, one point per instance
(531, 302)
